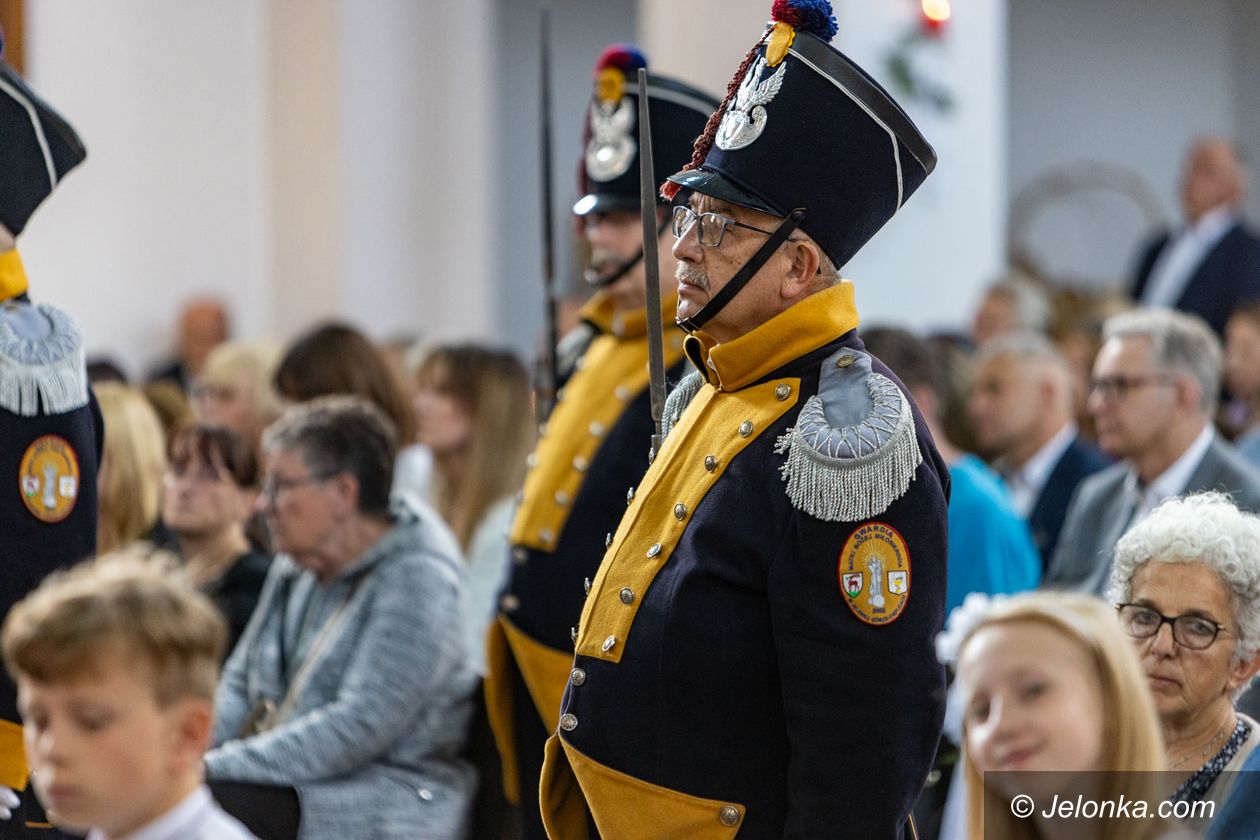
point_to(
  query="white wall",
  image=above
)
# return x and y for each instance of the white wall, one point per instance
(925, 267)
(1128, 82)
(167, 98)
(303, 159)
(415, 103)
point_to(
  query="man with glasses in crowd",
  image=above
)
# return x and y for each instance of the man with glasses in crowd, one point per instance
(1153, 396)
(755, 656)
(594, 446)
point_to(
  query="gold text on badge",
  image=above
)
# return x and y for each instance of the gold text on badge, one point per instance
(874, 572)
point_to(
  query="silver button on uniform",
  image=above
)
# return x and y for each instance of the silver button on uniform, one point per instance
(627, 596)
(745, 428)
(680, 511)
(510, 603)
(608, 644)
(630, 495)
(562, 498)
(728, 815)
(597, 428)
(782, 392)
(654, 550)
(710, 463)
(578, 676)
(569, 722)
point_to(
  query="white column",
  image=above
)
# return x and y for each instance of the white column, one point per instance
(415, 157)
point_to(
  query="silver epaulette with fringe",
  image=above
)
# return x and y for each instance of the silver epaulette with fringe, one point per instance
(42, 366)
(678, 400)
(853, 450)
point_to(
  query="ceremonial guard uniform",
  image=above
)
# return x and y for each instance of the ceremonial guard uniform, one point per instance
(50, 426)
(595, 443)
(755, 657)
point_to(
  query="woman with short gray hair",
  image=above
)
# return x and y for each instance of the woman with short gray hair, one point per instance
(1194, 565)
(346, 703)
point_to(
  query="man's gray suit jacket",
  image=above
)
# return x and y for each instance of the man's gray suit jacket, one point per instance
(1102, 507)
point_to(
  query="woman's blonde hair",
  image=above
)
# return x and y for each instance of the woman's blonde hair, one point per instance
(134, 460)
(1133, 745)
(493, 387)
(254, 363)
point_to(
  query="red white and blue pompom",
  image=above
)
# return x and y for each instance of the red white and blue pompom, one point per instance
(812, 16)
(625, 57)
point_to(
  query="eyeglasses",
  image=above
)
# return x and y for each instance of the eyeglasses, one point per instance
(205, 474)
(1118, 386)
(1190, 631)
(273, 486)
(712, 226)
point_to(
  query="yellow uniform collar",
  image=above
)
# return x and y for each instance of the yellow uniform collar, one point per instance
(12, 275)
(601, 312)
(801, 329)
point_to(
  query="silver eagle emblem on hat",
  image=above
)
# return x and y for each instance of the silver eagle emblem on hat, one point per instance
(611, 148)
(744, 121)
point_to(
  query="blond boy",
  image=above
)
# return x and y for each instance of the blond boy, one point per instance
(116, 662)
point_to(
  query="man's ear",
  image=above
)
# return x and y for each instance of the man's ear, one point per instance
(347, 489)
(802, 274)
(1187, 391)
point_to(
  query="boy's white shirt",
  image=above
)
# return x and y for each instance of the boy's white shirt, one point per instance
(196, 817)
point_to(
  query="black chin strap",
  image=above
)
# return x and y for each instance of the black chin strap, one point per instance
(741, 278)
(603, 281)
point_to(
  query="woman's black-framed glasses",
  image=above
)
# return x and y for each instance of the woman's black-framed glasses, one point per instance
(712, 226)
(1190, 631)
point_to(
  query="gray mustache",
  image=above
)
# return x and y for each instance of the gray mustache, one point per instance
(691, 275)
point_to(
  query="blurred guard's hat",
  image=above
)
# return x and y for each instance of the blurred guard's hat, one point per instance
(37, 149)
(808, 128)
(609, 176)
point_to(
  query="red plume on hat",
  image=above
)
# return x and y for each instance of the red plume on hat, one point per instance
(790, 17)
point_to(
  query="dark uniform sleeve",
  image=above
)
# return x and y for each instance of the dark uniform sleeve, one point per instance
(863, 703)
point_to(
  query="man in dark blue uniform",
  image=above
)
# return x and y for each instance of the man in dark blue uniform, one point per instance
(50, 426)
(596, 441)
(756, 654)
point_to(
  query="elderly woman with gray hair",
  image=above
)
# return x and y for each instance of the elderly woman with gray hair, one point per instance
(343, 710)
(1186, 583)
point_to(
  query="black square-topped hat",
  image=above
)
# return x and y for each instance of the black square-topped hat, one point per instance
(37, 149)
(609, 166)
(805, 127)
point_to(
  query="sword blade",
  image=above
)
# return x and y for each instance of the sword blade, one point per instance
(651, 264)
(545, 393)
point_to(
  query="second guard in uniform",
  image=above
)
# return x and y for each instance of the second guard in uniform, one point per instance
(756, 655)
(50, 426)
(595, 443)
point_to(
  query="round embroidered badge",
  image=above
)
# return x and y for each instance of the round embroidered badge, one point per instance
(874, 573)
(49, 478)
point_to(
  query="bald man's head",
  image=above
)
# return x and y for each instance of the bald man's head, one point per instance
(1214, 176)
(203, 326)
